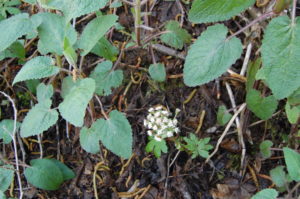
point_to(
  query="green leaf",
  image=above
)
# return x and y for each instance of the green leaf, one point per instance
(251, 73)
(198, 147)
(177, 36)
(40, 118)
(67, 173)
(2, 195)
(99, 25)
(32, 85)
(156, 146)
(106, 78)
(157, 72)
(278, 176)
(75, 102)
(266, 194)
(265, 148)
(294, 99)
(293, 113)
(280, 56)
(13, 28)
(262, 107)
(292, 161)
(67, 85)
(16, 50)
(69, 52)
(206, 11)
(116, 134)
(6, 130)
(36, 68)
(52, 32)
(104, 48)
(44, 174)
(210, 56)
(6, 176)
(76, 8)
(223, 116)
(89, 138)
(44, 92)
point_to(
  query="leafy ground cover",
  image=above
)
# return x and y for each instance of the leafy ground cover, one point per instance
(149, 99)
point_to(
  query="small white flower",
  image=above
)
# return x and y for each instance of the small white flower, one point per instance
(165, 120)
(151, 109)
(176, 130)
(154, 127)
(158, 121)
(145, 123)
(149, 132)
(157, 138)
(166, 113)
(169, 133)
(157, 114)
(152, 119)
(150, 125)
(177, 110)
(170, 124)
(175, 121)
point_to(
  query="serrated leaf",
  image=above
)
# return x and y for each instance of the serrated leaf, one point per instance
(157, 72)
(210, 56)
(265, 148)
(116, 134)
(198, 147)
(67, 173)
(44, 174)
(293, 113)
(177, 36)
(76, 8)
(105, 78)
(266, 194)
(280, 56)
(44, 92)
(262, 107)
(89, 138)
(292, 161)
(40, 118)
(99, 25)
(206, 11)
(105, 49)
(6, 130)
(223, 116)
(75, 102)
(36, 68)
(156, 147)
(52, 31)
(278, 176)
(13, 28)
(6, 176)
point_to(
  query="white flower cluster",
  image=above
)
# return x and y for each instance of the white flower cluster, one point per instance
(159, 124)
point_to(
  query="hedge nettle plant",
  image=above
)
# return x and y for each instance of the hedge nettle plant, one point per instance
(211, 55)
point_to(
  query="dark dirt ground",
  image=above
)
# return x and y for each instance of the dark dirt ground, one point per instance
(149, 177)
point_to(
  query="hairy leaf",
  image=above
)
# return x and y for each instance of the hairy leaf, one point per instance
(265, 148)
(262, 107)
(13, 28)
(75, 102)
(76, 8)
(105, 49)
(266, 194)
(292, 161)
(67, 173)
(281, 56)
(6, 130)
(292, 112)
(157, 72)
(99, 25)
(44, 92)
(206, 11)
(278, 176)
(36, 68)
(44, 174)
(6, 176)
(52, 32)
(223, 116)
(105, 78)
(210, 56)
(177, 36)
(89, 138)
(40, 118)
(116, 134)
